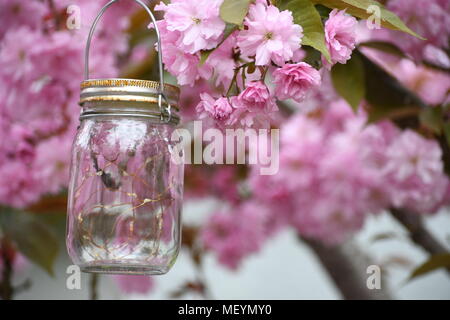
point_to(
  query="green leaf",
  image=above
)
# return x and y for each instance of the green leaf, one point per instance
(384, 236)
(204, 55)
(313, 57)
(359, 9)
(349, 80)
(434, 263)
(32, 237)
(385, 47)
(306, 15)
(234, 11)
(323, 11)
(433, 119)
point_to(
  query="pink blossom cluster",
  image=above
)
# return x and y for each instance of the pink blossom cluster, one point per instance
(40, 73)
(430, 84)
(236, 233)
(340, 36)
(252, 107)
(186, 30)
(335, 169)
(268, 44)
(270, 35)
(428, 18)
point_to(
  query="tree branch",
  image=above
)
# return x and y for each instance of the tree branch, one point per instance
(346, 265)
(418, 233)
(6, 288)
(93, 285)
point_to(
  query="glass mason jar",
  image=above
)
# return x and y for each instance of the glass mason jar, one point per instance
(126, 180)
(126, 185)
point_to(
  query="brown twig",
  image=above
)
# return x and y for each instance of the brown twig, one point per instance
(93, 286)
(55, 13)
(6, 288)
(190, 240)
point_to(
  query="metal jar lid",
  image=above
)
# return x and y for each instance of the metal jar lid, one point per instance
(157, 95)
(97, 90)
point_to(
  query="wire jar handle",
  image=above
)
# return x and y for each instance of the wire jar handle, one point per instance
(161, 94)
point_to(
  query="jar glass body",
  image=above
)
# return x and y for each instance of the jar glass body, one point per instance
(125, 193)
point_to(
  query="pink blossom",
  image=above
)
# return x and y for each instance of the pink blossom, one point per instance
(18, 13)
(361, 189)
(270, 35)
(198, 22)
(16, 56)
(34, 74)
(52, 162)
(219, 109)
(274, 193)
(18, 144)
(256, 96)
(320, 97)
(302, 144)
(294, 81)
(336, 116)
(299, 55)
(223, 62)
(236, 234)
(51, 56)
(429, 18)
(222, 236)
(330, 201)
(431, 85)
(253, 107)
(134, 284)
(223, 183)
(184, 66)
(437, 56)
(413, 156)
(109, 33)
(190, 98)
(315, 191)
(326, 222)
(22, 188)
(39, 87)
(414, 168)
(422, 198)
(139, 53)
(340, 36)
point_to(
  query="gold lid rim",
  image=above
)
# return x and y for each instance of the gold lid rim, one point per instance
(120, 89)
(123, 82)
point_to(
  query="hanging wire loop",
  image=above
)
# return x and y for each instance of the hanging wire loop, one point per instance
(161, 94)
